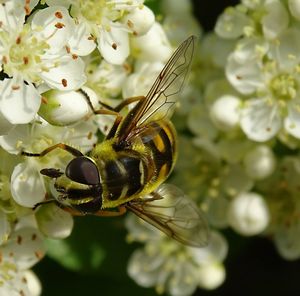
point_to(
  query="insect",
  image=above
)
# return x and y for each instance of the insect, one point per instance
(127, 170)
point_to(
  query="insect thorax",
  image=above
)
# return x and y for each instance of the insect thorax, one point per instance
(137, 169)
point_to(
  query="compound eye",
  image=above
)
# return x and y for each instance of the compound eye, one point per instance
(83, 170)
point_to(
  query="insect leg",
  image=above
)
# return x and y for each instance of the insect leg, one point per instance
(62, 146)
(128, 101)
(121, 211)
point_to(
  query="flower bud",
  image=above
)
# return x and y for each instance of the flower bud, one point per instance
(260, 162)
(224, 112)
(139, 20)
(67, 107)
(294, 6)
(54, 222)
(153, 46)
(211, 276)
(248, 214)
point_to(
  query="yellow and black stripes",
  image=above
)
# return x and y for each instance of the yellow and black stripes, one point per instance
(163, 148)
(138, 168)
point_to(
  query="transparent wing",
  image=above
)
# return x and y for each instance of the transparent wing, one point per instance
(161, 98)
(174, 214)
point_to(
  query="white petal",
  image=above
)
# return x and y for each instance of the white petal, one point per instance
(67, 107)
(153, 46)
(287, 241)
(231, 23)
(12, 16)
(57, 26)
(19, 102)
(68, 75)
(27, 186)
(216, 250)
(276, 19)
(211, 276)
(246, 77)
(294, 7)
(114, 45)
(81, 42)
(249, 214)
(26, 247)
(184, 279)
(4, 227)
(139, 20)
(54, 222)
(224, 112)
(253, 48)
(144, 269)
(16, 136)
(259, 120)
(286, 50)
(260, 162)
(5, 125)
(292, 121)
(33, 283)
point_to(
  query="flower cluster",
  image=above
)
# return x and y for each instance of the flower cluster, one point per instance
(238, 125)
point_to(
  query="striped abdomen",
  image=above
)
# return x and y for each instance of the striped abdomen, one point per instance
(140, 168)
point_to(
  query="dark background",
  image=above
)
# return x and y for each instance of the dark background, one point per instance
(253, 266)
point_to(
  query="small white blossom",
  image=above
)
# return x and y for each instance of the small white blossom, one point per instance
(260, 162)
(294, 7)
(224, 112)
(68, 107)
(248, 214)
(153, 46)
(171, 267)
(23, 249)
(31, 54)
(111, 23)
(54, 222)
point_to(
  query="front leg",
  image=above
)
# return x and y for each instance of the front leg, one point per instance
(62, 146)
(121, 210)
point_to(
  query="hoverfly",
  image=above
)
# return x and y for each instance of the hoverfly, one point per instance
(126, 170)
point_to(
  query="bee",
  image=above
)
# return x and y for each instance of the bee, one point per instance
(127, 169)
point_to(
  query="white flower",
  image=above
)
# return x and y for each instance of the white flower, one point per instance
(33, 53)
(266, 18)
(68, 107)
(248, 214)
(23, 249)
(27, 184)
(107, 79)
(111, 22)
(272, 83)
(171, 267)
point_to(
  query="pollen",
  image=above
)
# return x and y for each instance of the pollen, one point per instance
(18, 40)
(15, 87)
(114, 46)
(58, 14)
(59, 25)
(25, 60)
(64, 82)
(130, 24)
(74, 56)
(19, 240)
(38, 254)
